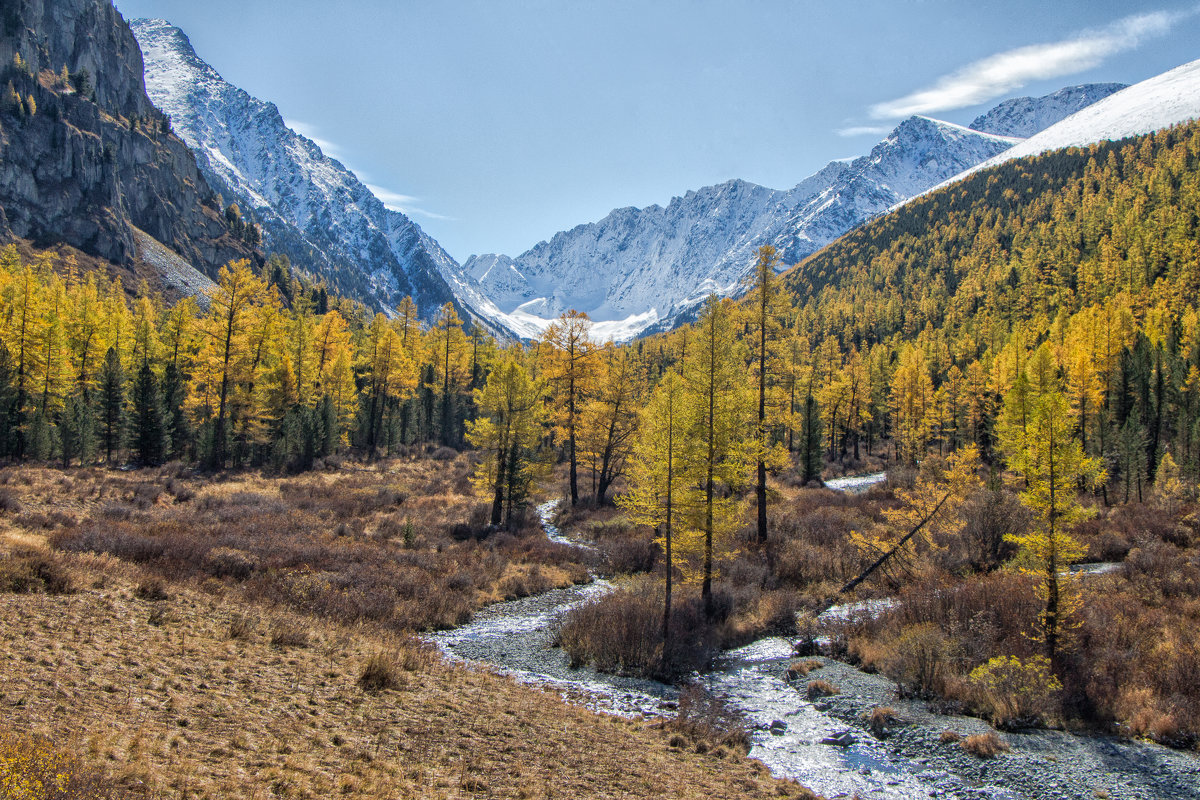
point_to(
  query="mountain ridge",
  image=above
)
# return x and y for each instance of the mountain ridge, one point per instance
(310, 206)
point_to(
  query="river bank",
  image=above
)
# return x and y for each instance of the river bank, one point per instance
(790, 731)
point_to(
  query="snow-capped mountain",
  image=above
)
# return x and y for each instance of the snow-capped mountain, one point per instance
(309, 205)
(649, 268)
(1025, 116)
(639, 268)
(1159, 102)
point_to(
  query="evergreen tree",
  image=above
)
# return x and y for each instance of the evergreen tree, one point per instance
(77, 431)
(112, 405)
(174, 397)
(149, 426)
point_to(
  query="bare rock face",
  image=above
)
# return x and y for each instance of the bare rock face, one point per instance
(82, 161)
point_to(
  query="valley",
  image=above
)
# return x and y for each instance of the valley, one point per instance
(884, 486)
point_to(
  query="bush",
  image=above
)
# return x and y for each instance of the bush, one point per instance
(379, 673)
(628, 556)
(708, 722)
(9, 501)
(879, 719)
(221, 562)
(151, 590)
(241, 626)
(621, 632)
(820, 688)
(30, 573)
(1011, 692)
(985, 745)
(799, 669)
(919, 657)
(288, 633)
(33, 768)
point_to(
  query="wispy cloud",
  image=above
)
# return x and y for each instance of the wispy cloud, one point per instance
(1012, 69)
(310, 132)
(863, 130)
(404, 203)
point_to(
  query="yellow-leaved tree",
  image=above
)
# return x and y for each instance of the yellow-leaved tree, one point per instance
(228, 354)
(657, 479)
(568, 361)
(721, 428)
(1039, 443)
(508, 430)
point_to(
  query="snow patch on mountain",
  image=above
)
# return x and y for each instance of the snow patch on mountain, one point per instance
(1159, 102)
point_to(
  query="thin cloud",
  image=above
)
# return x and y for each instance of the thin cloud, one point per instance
(310, 132)
(404, 203)
(863, 130)
(1002, 73)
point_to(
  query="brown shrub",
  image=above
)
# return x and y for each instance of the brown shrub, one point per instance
(820, 688)
(985, 745)
(879, 719)
(152, 590)
(286, 632)
(950, 737)
(9, 501)
(241, 626)
(379, 673)
(707, 722)
(31, 572)
(800, 669)
(621, 632)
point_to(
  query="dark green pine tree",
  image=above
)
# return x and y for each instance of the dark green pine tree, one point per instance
(810, 440)
(10, 411)
(149, 427)
(112, 405)
(328, 427)
(174, 393)
(77, 431)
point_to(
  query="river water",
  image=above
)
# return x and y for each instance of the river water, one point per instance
(790, 733)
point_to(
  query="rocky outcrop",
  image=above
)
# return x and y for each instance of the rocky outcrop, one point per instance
(84, 161)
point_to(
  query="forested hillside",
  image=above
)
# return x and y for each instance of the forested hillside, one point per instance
(936, 307)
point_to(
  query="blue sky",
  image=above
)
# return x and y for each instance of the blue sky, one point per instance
(495, 124)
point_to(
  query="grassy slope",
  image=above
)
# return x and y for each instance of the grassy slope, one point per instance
(160, 693)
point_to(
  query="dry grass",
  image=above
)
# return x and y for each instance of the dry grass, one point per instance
(382, 545)
(800, 669)
(187, 712)
(880, 719)
(985, 745)
(820, 688)
(205, 694)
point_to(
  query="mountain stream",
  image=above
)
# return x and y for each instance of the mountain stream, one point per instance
(826, 744)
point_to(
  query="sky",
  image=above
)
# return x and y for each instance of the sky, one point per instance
(496, 123)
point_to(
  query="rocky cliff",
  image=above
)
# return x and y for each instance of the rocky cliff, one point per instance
(85, 158)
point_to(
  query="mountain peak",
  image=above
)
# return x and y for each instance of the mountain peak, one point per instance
(310, 206)
(1025, 116)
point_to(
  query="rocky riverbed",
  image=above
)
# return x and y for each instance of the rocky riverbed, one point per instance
(827, 743)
